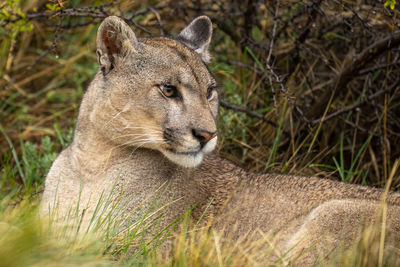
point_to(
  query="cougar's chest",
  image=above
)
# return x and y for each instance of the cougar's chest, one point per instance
(162, 189)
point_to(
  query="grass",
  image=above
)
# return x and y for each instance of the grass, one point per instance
(45, 244)
(43, 78)
(28, 240)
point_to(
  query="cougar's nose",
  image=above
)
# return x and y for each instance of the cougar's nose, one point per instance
(203, 136)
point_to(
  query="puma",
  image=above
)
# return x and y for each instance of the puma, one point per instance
(148, 119)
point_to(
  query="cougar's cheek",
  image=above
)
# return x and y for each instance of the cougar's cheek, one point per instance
(210, 146)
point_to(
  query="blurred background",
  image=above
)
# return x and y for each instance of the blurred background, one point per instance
(306, 87)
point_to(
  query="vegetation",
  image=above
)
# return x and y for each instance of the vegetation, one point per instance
(307, 87)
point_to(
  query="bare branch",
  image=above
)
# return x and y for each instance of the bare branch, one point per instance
(247, 112)
(359, 104)
(352, 68)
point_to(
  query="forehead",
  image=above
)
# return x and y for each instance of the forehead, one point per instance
(171, 56)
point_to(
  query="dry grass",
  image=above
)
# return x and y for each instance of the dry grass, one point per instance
(27, 240)
(308, 87)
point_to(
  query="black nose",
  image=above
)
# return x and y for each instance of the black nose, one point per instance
(203, 136)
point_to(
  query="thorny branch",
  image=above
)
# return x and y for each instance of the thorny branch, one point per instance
(359, 104)
(267, 64)
(352, 67)
(312, 50)
(247, 111)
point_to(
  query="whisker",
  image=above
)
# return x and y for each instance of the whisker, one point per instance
(127, 135)
(138, 141)
(116, 115)
(140, 127)
(137, 147)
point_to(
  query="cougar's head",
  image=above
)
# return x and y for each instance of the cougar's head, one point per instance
(156, 93)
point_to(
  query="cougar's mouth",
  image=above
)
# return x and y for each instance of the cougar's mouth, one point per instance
(190, 153)
(190, 158)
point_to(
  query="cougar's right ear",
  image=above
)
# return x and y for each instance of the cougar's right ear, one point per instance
(197, 35)
(115, 40)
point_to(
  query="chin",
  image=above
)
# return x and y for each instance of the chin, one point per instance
(190, 160)
(185, 160)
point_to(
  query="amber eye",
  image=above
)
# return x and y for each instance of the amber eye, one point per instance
(210, 92)
(169, 90)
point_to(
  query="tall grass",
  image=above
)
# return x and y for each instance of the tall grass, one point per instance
(28, 240)
(44, 70)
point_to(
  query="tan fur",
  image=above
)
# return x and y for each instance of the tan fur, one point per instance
(132, 138)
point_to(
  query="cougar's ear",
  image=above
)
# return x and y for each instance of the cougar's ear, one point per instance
(197, 35)
(115, 40)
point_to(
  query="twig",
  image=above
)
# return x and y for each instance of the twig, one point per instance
(81, 12)
(271, 43)
(352, 68)
(267, 64)
(356, 105)
(57, 35)
(247, 112)
(158, 17)
(377, 67)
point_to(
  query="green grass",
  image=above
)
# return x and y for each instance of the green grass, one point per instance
(39, 106)
(26, 239)
(26, 176)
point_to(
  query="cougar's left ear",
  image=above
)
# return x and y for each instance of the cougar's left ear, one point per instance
(197, 35)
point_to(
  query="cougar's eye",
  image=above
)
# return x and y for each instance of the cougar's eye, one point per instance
(210, 92)
(168, 90)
